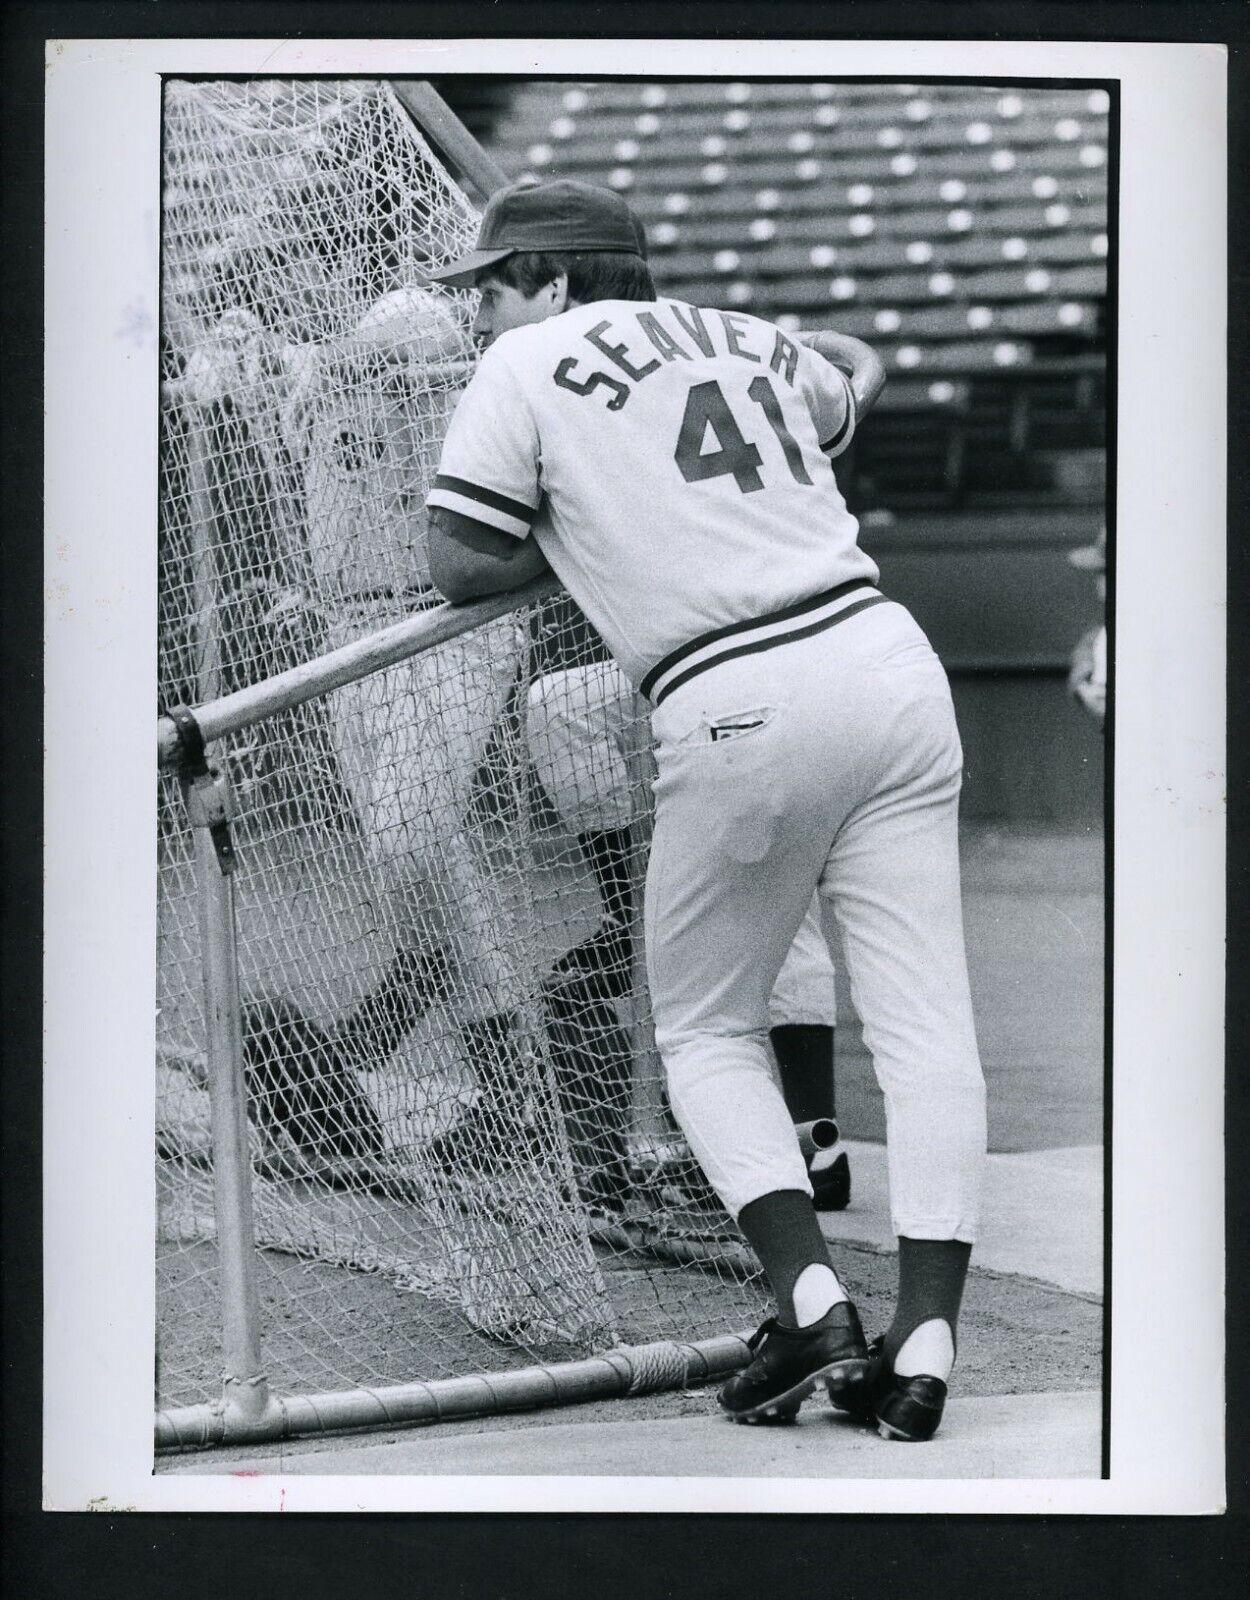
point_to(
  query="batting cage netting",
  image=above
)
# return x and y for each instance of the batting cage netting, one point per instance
(461, 1157)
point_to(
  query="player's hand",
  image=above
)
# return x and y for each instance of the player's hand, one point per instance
(861, 364)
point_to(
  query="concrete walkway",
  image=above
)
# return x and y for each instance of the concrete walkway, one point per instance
(1007, 1436)
(1042, 1214)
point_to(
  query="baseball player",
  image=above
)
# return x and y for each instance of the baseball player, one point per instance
(672, 465)
(362, 423)
(578, 725)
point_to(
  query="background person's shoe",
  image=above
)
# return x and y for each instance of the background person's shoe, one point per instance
(483, 1142)
(831, 1185)
(828, 1168)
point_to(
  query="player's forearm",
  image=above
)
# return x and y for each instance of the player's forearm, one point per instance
(862, 365)
(469, 561)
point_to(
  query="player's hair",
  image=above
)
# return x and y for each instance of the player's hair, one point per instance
(592, 274)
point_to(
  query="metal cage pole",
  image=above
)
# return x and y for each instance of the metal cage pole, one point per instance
(651, 1127)
(629, 1370)
(440, 124)
(206, 617)
(246, 1408)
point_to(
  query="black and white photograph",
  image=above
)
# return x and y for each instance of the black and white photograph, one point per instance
(646, 908)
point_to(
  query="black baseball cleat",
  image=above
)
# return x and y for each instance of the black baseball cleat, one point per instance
(676, 1182)
(789, 1363)
(831, 1185)
(906, 1409)
(483, 1143)
(911, 1408)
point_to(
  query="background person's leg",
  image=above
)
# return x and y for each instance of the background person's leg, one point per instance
(802, 1014)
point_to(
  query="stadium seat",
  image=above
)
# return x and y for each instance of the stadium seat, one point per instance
(961, 229)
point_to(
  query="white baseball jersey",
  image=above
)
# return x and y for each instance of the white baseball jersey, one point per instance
(633, 440)
(368, 457)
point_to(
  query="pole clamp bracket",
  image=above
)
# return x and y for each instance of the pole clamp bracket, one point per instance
(206, 789)
(192, 761)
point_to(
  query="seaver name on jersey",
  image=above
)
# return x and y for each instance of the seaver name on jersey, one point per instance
(642, 343)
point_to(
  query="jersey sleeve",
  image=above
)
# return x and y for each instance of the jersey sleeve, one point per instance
(827, 390)
(489, 470)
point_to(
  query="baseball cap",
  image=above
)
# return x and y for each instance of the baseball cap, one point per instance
(563, 215)
(1091, 557)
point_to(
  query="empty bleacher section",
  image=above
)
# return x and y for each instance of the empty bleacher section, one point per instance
(960, 229)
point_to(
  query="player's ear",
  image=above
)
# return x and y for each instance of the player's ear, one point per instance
(558, 293)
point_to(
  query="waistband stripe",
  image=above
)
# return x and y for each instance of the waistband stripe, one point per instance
(767, 644)
(766, 628)
(799, 621)
(798, 609)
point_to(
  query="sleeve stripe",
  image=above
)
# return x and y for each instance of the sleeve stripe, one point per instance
(832, 444)
(487, 497)
(477, 511)
(841, 436)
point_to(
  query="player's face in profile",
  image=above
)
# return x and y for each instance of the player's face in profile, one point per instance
(503, 308)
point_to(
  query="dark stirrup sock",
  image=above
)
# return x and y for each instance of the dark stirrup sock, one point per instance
(610, 854)
(494, 1052)
(783, 1231)
(931, 1275)
(415, 979)
(804, 1054)
(608, 953)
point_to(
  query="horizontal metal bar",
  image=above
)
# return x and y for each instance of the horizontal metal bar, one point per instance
(632, 1369)
(234, 712)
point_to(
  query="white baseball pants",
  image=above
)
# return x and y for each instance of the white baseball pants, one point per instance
(409, 740)
(830, 761)
(578, 722)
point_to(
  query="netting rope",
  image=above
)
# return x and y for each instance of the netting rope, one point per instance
(462, 1158)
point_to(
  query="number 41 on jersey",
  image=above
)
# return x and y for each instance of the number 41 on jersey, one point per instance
(735, 456)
